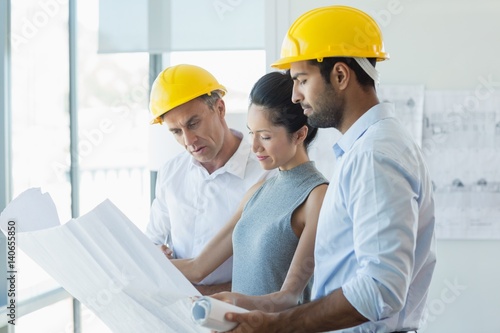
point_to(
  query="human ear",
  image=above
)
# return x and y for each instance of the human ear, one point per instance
(340, 75)
(220, 107)
(301, 134)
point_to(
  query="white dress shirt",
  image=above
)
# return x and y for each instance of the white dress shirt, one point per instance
(375, 236)
(192, 205)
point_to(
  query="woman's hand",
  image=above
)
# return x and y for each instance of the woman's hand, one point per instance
(168, 252)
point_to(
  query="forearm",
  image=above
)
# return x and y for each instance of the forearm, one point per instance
(189, 269)
(214, 288)
(332, 312)
(274, 302)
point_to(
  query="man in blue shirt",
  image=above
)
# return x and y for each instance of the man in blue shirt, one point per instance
(375, 247)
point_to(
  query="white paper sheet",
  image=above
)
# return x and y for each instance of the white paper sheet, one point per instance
(107, 263)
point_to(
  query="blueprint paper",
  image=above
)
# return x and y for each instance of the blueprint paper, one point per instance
(107, 263)
(209, 312)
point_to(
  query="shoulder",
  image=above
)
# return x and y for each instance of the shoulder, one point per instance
(313, 203)
(313, 176)
(387, 136)
(176, 164)
(255, 187)
(318, 184)
(251, 192)
(387, 144)
(318, 193)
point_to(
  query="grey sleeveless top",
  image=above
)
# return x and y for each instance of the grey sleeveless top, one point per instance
(263, 240)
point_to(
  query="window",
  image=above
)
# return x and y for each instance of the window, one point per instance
(113, 96)
(236, 70)
(40, 132)
(113, 119)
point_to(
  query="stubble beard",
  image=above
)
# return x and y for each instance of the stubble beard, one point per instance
(328, 111)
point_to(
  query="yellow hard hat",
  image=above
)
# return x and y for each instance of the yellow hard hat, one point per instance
(179, 84)
(334, 31)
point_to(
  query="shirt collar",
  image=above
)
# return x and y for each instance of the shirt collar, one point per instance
(236, 164)
(370, 117)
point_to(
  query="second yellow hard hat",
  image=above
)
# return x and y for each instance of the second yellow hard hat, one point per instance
(179, 84)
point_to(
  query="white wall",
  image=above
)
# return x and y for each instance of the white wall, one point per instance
(444, 44)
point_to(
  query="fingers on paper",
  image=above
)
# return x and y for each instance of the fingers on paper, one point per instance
(167, 251)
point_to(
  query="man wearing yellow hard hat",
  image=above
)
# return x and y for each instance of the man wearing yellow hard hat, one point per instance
(375, 247)
(199, 190)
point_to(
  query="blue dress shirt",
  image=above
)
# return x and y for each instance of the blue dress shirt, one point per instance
(375, 237)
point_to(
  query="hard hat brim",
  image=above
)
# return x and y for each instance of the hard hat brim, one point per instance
(285, 63)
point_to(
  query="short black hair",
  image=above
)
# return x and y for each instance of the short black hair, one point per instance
(326, 66)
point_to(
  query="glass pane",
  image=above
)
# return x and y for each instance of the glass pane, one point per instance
(40, 119)
(113, 95)
(56, 318)
(236, 70)
(40, 129)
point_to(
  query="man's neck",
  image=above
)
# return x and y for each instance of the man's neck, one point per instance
(361, 104)
(229, 147)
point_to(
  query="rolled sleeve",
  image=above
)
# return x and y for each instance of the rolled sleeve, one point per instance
(384, 209)
(375, 237)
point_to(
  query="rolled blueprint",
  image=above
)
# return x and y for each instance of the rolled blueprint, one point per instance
(209, 312)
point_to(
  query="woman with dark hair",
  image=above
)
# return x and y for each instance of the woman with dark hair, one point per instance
(271, 236)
